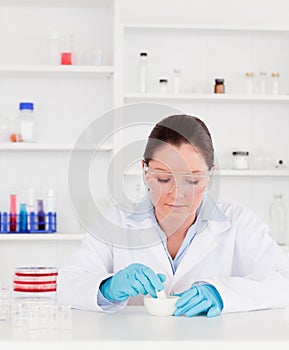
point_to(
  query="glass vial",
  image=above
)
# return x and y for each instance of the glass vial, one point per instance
(66, 53)
(27, 122)
(177, 80)
(249, 83)
(163, 83)
(278, 220)
(240, 160)
(275, 83)
(40, 215)
(219, 86)
(142, 72)
(263, 82)
(53, 48)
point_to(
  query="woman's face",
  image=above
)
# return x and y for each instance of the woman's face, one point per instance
(177, 178)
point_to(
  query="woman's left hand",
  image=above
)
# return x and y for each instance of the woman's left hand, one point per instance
(199, 299)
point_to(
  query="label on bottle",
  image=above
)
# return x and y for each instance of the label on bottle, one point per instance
(27, 130)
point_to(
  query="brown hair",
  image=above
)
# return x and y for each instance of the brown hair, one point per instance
(179, 129)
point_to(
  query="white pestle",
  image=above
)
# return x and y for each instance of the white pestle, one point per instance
(161, 294)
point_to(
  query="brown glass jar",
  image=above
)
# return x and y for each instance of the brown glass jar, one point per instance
(219, 86)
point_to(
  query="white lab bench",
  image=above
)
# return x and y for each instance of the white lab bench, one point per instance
(134, 328)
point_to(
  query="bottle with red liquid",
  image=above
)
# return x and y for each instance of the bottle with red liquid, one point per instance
(66, 53)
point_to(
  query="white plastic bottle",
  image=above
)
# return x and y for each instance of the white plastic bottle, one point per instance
(278, 220)
(27, 122)
(142, 72)
(177, 80)
(50, 202)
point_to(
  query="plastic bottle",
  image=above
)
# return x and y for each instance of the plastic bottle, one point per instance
(278, 220)
(176, 80)
(53, 48)
(249, 81)
(263, 82)
(27, 122)
(275, 83)
(142, 72)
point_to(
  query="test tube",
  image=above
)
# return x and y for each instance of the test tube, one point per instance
(40, 215)
(13, 218)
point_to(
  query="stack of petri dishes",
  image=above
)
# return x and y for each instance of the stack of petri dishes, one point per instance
(35, 282)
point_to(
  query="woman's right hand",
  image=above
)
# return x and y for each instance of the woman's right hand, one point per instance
(133, 280)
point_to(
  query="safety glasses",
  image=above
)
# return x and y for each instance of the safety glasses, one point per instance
(163, 181)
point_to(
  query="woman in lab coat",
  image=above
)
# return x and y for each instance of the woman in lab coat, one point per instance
(216, 257)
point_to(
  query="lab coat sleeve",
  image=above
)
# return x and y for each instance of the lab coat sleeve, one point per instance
(262, 281)
(79, 279)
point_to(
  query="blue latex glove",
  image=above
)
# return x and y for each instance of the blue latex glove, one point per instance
(199, 299)
(133, 280)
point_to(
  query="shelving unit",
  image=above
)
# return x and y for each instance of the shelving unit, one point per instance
(238, 173)
(67, 98)
(19, 146)
(60, 70)
(207, 97)
(41, 237)
(237, 120)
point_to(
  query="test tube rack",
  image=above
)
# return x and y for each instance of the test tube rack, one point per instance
(13, 223)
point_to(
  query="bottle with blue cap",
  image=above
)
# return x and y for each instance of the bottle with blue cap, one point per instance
(27, 122)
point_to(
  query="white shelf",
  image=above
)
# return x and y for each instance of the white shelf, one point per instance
(22, 146)
(256, 173)
(41, 236)
(240, 173)
(207, 97)
(63, 70)
(58, 3)
(188, 26)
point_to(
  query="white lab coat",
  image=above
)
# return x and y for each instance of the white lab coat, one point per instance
(236, 255)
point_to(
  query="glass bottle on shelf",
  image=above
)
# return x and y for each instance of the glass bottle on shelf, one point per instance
(67, 50)
(219, 86)
(278, 220)
(176, 80)
(142, 72)
(249, 82)
(275, 83)
(53, 48)
(263, 82)
(163, 83)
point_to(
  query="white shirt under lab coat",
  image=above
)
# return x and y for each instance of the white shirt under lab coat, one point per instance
(233, 251)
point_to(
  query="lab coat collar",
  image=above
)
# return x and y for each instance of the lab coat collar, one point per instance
(212, 222)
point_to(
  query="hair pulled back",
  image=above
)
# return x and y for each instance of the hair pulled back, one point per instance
(177, 130)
